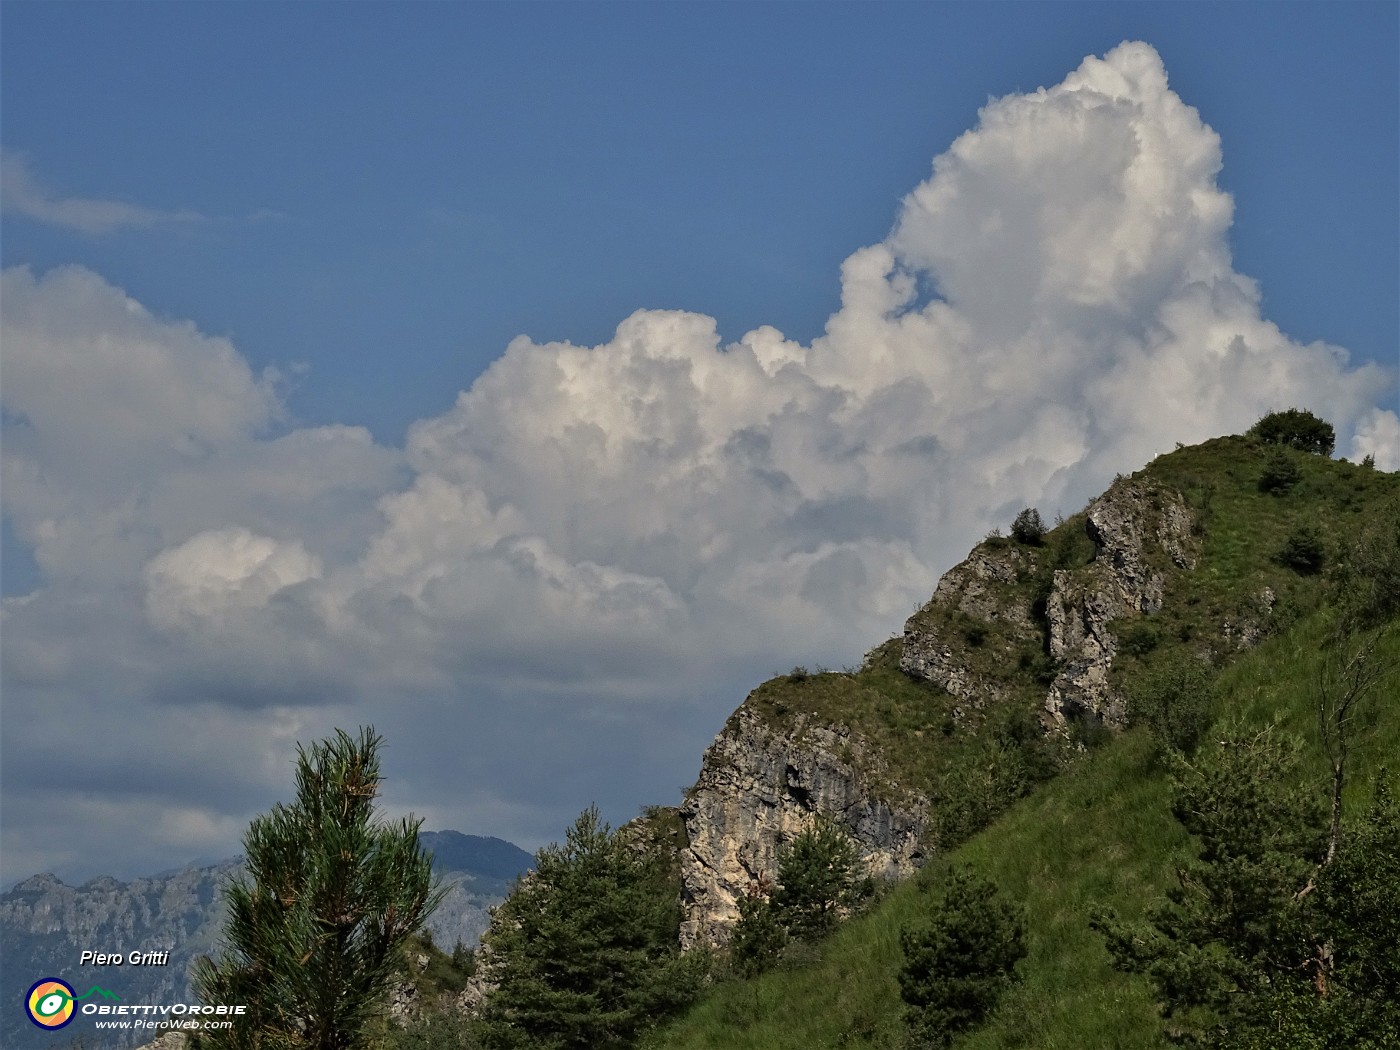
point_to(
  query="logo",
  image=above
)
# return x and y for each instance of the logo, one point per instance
(50, 1003)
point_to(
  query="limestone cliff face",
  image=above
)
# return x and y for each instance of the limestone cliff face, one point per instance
(1141, 532)
(761, 784)
(760, 787)
(986, 588)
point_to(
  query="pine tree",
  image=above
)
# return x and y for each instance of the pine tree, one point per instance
(1028, 528)
(958, 963)
(817, 880)
(1240, 950)
(584, 952)
(758, 936)
(330, 895)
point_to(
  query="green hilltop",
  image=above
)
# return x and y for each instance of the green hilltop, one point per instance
(1070, 827)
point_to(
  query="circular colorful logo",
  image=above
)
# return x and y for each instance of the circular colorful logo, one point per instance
(50, 1003)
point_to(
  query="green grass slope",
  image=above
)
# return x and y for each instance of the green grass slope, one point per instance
(973, 766)
(1100, 833)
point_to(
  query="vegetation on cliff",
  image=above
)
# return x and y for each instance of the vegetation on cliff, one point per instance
(1101, 834)
(1241, 643)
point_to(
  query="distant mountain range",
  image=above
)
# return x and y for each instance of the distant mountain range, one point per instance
(45, 925)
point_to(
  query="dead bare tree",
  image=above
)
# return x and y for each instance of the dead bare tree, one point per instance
(1352, 668)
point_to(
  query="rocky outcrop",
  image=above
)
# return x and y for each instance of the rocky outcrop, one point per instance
(1141, 532)
(760, 787)
(998, 623)
(983, 588)
(1252, 623)
(977, 586)
(404, 998)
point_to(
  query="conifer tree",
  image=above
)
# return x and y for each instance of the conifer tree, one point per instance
(758, 936)
(583, 954)
(959, 962)
(1277, 937)
(1028, 528)
(330, 895)
(817, 880)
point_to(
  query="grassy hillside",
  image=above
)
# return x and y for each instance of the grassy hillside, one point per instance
(974, 764)
(1101, 833)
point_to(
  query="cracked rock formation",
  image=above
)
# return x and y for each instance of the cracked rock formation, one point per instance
(759, 788)
(759, 785)
(1141, 531)
(984, 587)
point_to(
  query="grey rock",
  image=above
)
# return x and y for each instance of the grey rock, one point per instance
(1141, 531)
(759, 788)
(1252, 624)
(173, 1040)
(981, 587)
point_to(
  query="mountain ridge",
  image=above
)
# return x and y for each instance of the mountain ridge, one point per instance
(1001, 719)
(1006, 710)
(1016, 630)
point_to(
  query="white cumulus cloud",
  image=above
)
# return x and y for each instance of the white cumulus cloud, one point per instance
(1054, 304)
(1378, 435)
(215, 573)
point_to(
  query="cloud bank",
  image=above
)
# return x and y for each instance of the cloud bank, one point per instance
(552, 592)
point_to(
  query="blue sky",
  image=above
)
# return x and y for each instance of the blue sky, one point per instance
(375, 200)
(434, 179)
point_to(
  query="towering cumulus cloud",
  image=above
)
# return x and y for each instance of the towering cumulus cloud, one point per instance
(1054, 304)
